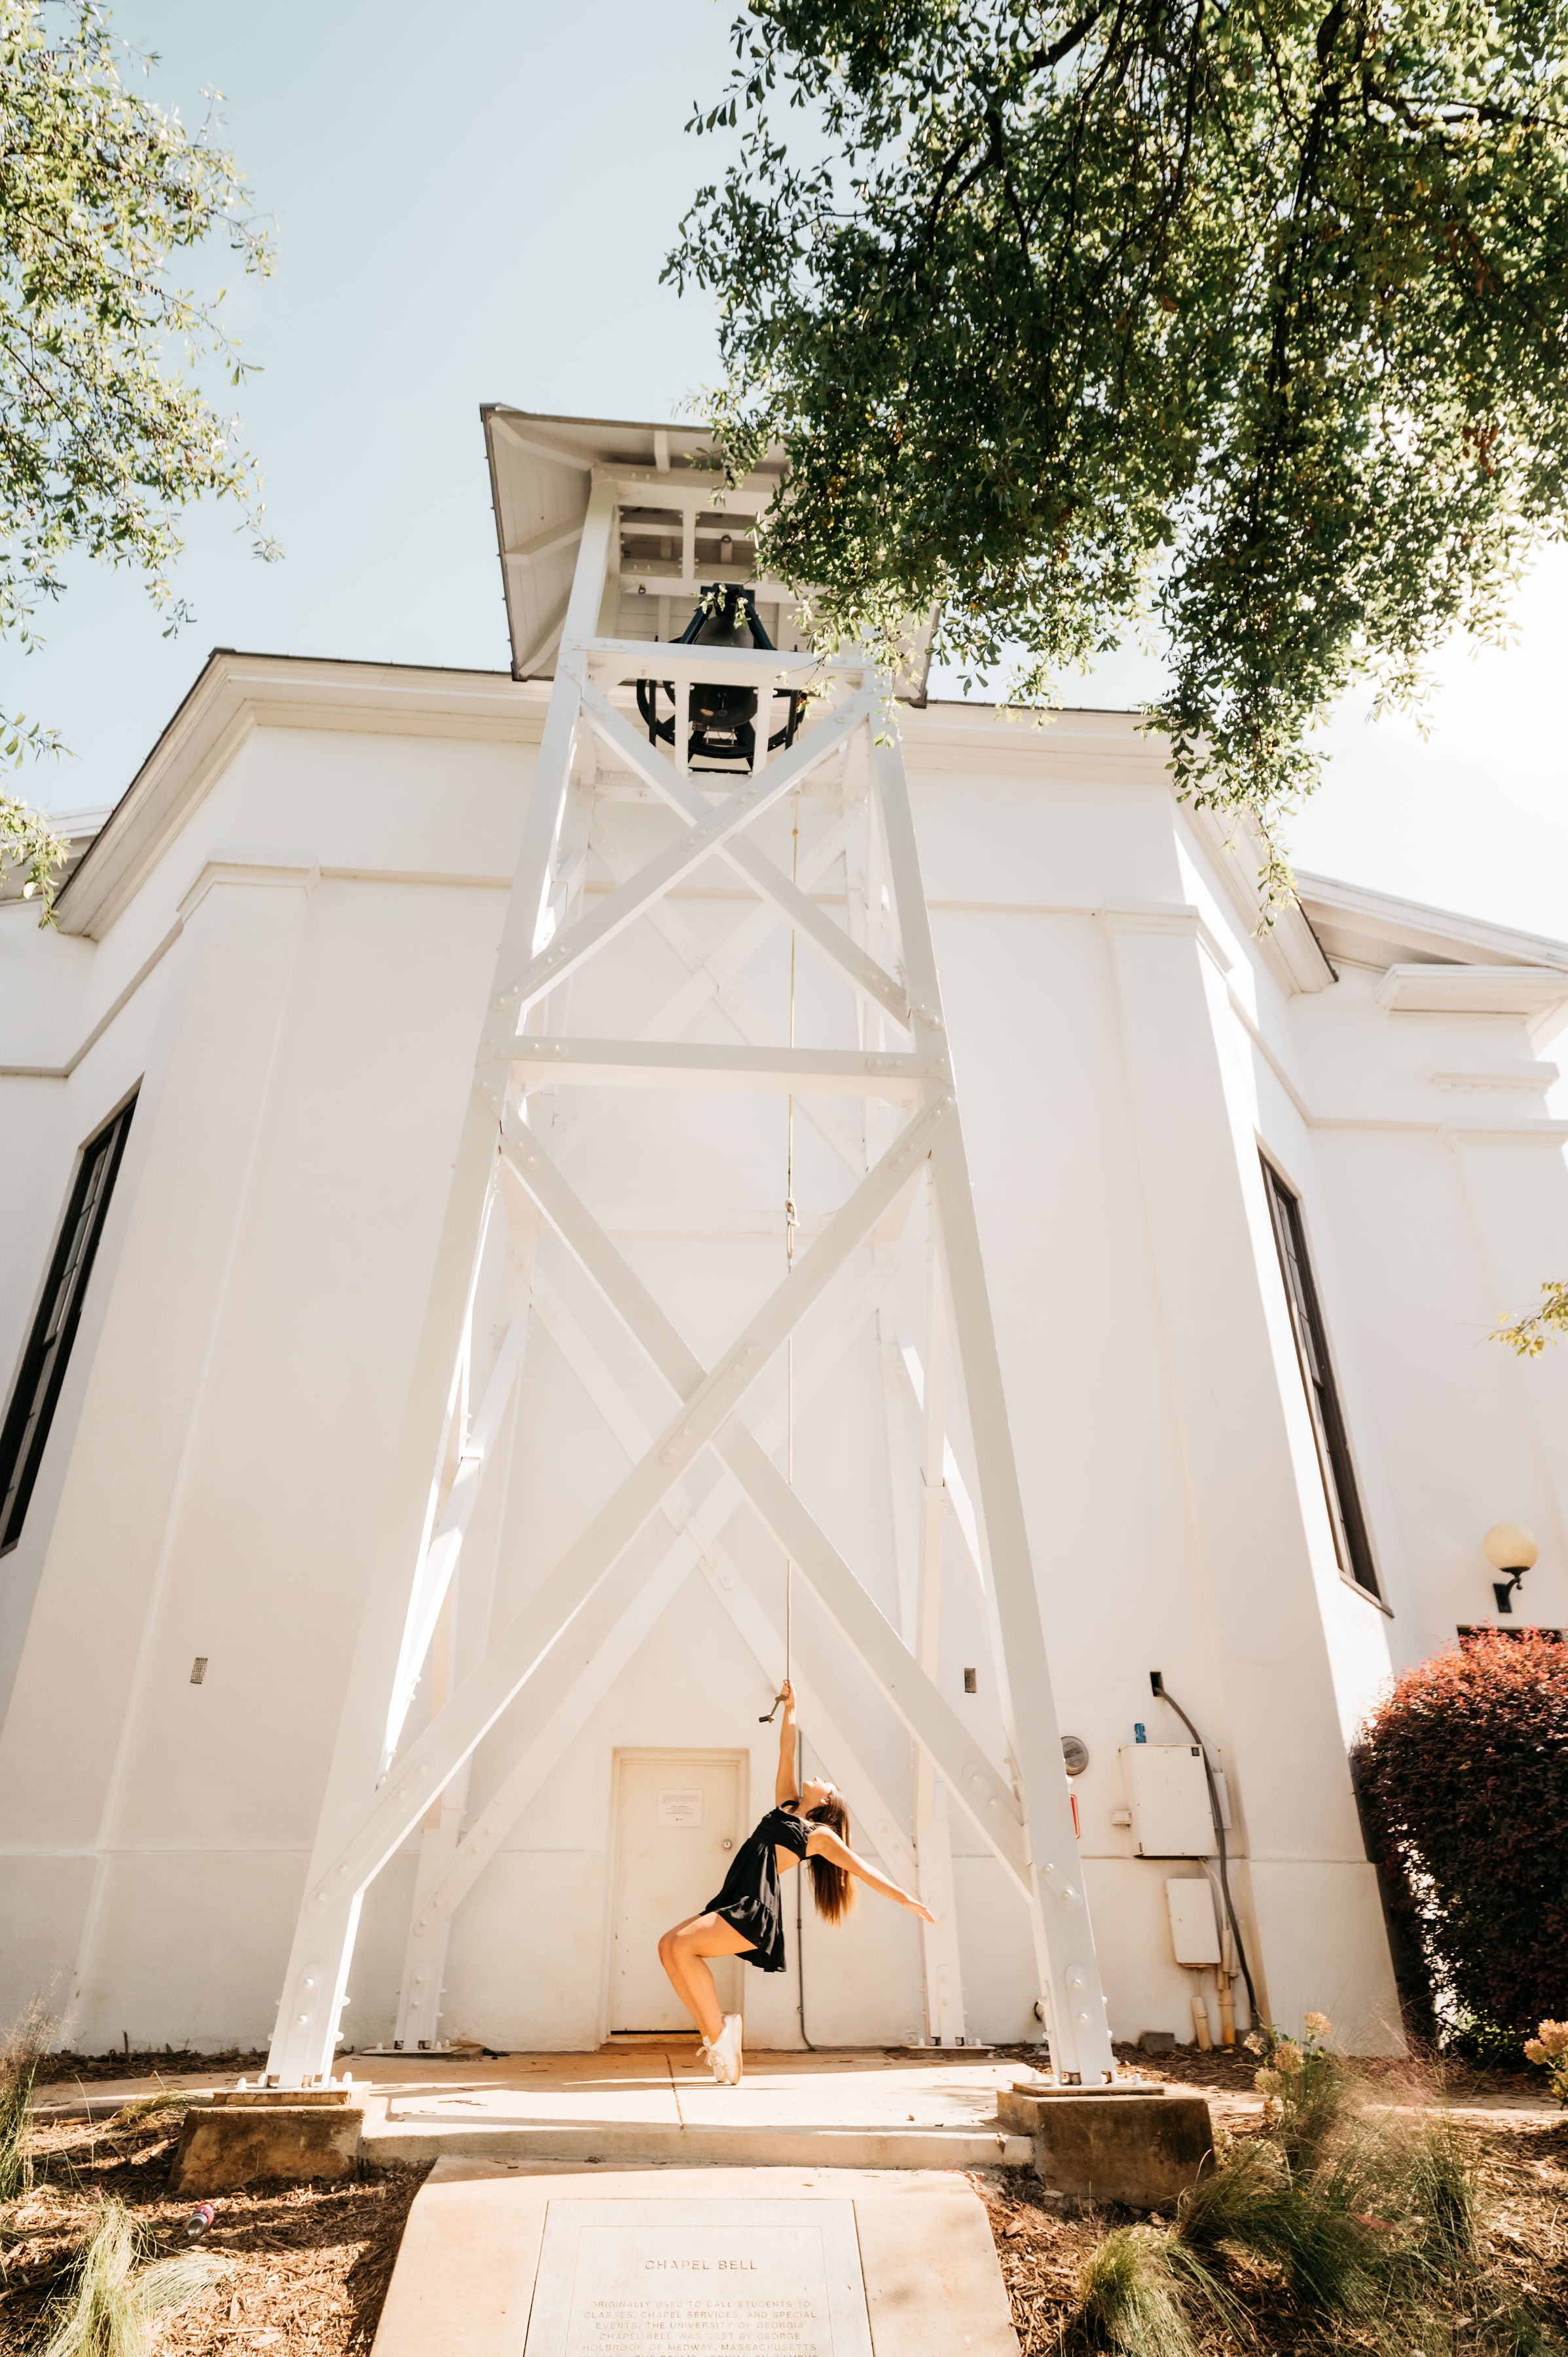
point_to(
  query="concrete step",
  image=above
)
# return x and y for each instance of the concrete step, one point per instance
(751, 2144)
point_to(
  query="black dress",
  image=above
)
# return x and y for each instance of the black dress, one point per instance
(750, 1899)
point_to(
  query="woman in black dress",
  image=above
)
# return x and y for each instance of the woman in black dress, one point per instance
(746, 1919)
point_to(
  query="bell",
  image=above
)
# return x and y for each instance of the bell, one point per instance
(721, 720)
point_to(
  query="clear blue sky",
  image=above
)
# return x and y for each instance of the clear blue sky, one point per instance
(473, 204)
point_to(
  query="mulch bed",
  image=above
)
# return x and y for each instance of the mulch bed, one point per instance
(139, 2062)
(1043, 2245)
(309, 2265)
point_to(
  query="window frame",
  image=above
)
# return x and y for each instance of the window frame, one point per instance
(1351, 1529)
(56, 1316)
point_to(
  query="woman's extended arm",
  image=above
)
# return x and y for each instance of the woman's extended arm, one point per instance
(786, 1786)
(824, 1842)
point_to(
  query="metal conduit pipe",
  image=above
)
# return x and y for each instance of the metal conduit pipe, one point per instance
(1158, 1687)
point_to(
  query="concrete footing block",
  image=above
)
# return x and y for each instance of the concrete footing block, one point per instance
(236, 2143)
(1096, 2148)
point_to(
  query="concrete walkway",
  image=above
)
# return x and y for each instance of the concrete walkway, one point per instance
(916, 2109)
(653, 2102)
(911, 2108)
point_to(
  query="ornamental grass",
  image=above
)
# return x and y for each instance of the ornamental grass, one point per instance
(22, 2049)
(1367, 2221)
(113, 2292)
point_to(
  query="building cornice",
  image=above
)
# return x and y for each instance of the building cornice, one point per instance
(989, 740)
(235, 693)
(1373, 928)
(1534, 992)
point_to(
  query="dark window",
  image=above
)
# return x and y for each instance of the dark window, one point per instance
(1350, 1540)
(44, 1361)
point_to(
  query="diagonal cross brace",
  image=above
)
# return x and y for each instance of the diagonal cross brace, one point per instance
(985, 1796)
(683, 792)
(451, 1735)
(434, 1575)
(706, 836)
(987, 1801)
(615, 1620)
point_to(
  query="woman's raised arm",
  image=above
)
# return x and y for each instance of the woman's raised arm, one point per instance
(824, 1842)
(786, 1786)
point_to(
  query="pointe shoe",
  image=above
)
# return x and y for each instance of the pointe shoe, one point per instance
(728, 2059)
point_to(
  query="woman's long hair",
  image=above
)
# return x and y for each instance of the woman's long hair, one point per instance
(832, 1887)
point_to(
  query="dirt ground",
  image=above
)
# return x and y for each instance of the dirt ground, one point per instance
(308, 2266)
(140, 2062)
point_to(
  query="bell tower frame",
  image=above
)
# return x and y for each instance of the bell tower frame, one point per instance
(891, 1059)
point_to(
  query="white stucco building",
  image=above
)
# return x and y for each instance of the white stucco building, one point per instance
(237, 1073)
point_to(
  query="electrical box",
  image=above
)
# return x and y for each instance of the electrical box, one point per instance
(1195, 1935)
(1168, 1793)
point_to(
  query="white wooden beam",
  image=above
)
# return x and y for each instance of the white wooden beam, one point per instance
(418, 2018)
(753, 1071)
(626, 1606)
(526, 907)
(1070, 1984)
(544, 638)
(982, 1791)
(440, 1560)
(944, 1985)
(658, 581)
(956, 1490)
(610, 661)
(306, 2036)
(546, 543)
(763, 1631)
(523, 1645)
(712, 977)
(693, 492)
(551, 1712)
(698, 841)
(645, 761)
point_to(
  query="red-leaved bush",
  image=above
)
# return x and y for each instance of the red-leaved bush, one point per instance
(1463, 1773)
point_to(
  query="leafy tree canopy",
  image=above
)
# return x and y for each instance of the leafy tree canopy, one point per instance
(105, 433)
(1244, 313)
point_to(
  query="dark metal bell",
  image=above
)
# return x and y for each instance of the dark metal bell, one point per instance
(722, 720)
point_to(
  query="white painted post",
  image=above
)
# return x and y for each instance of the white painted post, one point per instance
(944, 1973)
(306, 2038)
(1071, 1993)
(468, 1616)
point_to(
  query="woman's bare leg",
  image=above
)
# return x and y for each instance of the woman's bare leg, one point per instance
(683, 1953)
